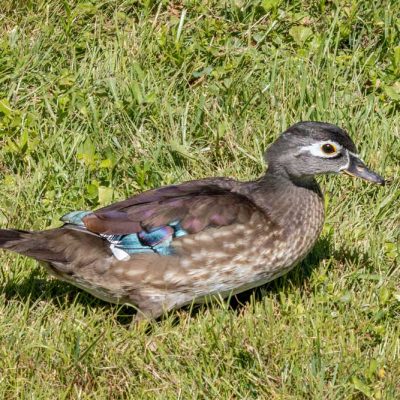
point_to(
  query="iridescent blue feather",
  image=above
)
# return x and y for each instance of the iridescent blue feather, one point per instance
(158, 240)
(75, 217)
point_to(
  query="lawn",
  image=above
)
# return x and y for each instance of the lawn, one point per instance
(101, 100)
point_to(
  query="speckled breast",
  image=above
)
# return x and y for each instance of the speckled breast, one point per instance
(235, 258)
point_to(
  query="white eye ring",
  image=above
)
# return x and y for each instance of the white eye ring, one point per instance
(316, 149)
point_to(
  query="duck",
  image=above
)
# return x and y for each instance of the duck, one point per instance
(215, 237)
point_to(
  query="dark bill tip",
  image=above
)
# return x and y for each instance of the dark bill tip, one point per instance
(358, 169)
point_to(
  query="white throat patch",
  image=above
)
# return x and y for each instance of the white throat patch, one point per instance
(347, 165)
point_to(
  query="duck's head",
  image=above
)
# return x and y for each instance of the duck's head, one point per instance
(312, 148)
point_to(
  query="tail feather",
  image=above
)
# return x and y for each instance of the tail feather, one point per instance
(7, 236)
(32, 244)
(61, 245)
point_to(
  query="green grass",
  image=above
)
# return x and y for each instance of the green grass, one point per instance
(101, 100)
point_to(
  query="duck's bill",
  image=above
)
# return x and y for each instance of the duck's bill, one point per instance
(357, 168)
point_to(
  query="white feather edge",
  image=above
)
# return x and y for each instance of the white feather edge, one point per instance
(119, 254)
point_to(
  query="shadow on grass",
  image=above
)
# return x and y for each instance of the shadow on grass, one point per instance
(35, 289)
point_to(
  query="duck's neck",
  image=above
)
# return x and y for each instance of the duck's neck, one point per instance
(286, 200)
(280, 182)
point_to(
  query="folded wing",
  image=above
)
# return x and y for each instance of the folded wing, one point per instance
(193, 205)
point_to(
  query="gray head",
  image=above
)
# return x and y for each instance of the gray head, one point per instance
(307, 149)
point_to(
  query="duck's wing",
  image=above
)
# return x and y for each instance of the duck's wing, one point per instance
(193, 206)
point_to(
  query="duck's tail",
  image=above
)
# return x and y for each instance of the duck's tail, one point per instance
(37, 245)
(62, 245)
(7, 236)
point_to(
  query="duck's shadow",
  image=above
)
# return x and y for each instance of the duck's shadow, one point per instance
(36, 288)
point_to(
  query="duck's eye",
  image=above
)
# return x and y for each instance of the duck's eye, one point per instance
(328, 148)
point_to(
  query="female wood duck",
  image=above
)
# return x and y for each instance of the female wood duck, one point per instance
(168, 247)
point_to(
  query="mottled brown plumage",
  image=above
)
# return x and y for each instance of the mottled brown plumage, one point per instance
(174, 245)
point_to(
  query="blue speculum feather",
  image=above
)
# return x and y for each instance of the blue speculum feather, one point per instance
(157, 240)
(75, 217)
(156, 236)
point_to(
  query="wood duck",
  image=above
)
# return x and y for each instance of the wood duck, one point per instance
(179, 244)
